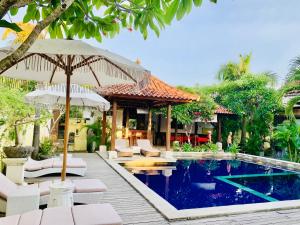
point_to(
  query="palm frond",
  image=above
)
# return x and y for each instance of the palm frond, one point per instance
(290, 106)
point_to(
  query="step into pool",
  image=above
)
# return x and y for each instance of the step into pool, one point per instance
(193, 184)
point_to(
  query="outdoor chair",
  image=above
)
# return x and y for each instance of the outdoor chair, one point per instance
(147, 149)
(34, 168)
(86, 191)
(123, 149)
(97, 214)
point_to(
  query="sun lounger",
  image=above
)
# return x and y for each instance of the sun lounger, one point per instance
(86, 191)
(123, 149)
(97, 214)
(34, 168)
(147, 149)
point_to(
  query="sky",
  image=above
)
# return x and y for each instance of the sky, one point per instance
(191, 50)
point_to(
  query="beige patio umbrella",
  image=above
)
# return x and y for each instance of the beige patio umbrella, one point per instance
(63, 61)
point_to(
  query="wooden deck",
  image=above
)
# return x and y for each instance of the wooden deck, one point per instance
(135, 210)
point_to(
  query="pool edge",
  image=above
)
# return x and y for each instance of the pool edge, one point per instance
(172, 214)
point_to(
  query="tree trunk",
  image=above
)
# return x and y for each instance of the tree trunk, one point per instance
(36, 131)
(14, 57)
(243, 135)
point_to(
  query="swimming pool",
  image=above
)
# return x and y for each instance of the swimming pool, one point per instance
(208, 183)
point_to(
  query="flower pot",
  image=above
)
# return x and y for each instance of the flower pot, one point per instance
(18, 151)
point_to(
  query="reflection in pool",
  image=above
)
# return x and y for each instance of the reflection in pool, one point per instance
(207, 183)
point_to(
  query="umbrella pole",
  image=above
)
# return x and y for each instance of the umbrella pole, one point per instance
(66, 131)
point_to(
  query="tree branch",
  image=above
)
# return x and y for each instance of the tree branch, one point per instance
(5, 6)
(13, 58)
(21, 4)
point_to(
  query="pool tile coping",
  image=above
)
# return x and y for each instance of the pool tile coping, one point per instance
(171, 213)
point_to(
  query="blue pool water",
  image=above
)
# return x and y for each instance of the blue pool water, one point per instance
(208, 183)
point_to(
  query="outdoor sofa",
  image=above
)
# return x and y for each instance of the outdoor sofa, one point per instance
(147, 149)
(86, 191)
(94, 214)
(122, 148)
(34, 168)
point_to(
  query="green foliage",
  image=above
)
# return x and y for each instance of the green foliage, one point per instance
(287, 136)
(251, 97)
(292, 85)
(94, 135)
(98, 18)
(187, 147)
(13, 111)
(176, 146)
(46, 148)
(12, 26)
(234, 148)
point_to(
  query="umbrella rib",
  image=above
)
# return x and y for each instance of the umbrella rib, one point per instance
(52, 60)
(94, 74)
(53, 72)
(82, 63)
(107, 60)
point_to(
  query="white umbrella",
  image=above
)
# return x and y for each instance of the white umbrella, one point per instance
(57, 61)
(56, 95)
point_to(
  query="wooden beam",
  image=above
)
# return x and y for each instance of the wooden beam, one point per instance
(149, 128)
(168, 130)
(103, 136)
(114, 126)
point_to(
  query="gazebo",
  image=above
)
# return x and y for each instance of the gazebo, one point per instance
(142, 97)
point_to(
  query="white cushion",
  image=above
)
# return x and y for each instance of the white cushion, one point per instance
(97, 214)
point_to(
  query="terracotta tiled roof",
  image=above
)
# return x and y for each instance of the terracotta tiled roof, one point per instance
(222, 110)
(154, 88)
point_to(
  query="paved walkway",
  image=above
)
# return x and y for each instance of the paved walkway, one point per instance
(135, 210)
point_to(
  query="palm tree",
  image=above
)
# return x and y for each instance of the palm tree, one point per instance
(292, 87)
(234, 71)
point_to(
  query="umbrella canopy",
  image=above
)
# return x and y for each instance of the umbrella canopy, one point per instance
(47, 60)
(56, 94)
(57, 61)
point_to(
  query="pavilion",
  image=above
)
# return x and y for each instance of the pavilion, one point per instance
(131, 109)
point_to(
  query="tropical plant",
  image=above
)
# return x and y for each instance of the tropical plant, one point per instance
(187, 147)
(46, 149)
(232, 71)
(234, 148)
(292, 85)
(94, 135)
(185, 114)
(89, 18)
(254, 101)
(287, 137)
(176, 146)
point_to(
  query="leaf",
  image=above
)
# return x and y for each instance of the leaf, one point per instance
(171, 11)
(181, 10)
(13, 11)
(12, 26)
(197, 2)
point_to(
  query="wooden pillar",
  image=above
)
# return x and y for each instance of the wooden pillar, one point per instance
(114, 126)
(149, 128)
(168, 129)
(103, 136)
(219, 129)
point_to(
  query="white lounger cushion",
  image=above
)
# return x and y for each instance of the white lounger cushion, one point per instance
(81, 186)
(57, 216)
(28, 218)
(34, 165)
(95, 214)
(100, 214)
